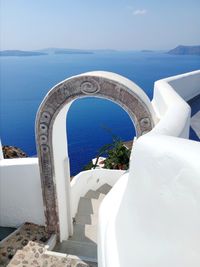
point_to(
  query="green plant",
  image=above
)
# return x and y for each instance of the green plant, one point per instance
(118, 156)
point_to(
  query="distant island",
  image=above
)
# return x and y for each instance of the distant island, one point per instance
(58, 51)
(48, 51)
(19, 53)
(147, 51)
(68, 51)
(185, 50)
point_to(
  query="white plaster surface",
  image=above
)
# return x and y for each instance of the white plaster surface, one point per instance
(151, 216)
(173, 112)
(20, 192)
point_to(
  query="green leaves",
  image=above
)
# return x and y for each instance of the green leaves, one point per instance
(117, 156)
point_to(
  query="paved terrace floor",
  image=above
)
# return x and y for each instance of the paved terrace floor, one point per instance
(195, 118)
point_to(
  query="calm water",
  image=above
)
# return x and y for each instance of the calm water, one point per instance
(24, 81)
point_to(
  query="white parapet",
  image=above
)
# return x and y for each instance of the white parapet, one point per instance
(20, 192)
(169, 103)
(187, 85)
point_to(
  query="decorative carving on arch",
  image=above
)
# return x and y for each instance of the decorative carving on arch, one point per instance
(79, 86)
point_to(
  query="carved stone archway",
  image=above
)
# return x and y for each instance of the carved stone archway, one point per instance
(100, 84)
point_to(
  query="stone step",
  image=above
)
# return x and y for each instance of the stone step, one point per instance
(80, 249)
(86, 219)
(104, 189)
(88, 206)
(92, 194)
(85, 233)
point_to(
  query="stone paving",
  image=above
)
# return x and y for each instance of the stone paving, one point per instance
(37, 255)
(20, 238)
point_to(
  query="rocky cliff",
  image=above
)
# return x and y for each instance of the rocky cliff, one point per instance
(10, 152)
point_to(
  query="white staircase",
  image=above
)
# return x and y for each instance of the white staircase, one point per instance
(83, 242)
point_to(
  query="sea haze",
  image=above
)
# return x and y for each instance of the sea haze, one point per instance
(24, 81)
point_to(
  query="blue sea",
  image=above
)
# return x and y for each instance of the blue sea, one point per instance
(91, 122)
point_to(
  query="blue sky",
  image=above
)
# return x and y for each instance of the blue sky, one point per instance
(92, 24)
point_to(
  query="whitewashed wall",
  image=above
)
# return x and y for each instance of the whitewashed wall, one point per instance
(151, 217)
(173, 112)
(20, 192)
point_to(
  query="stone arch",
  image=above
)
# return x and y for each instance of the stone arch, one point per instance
(100, 84)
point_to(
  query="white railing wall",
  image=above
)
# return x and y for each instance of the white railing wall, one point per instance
(169, 103)
(20, 192)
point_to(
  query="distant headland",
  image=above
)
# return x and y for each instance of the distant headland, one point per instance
(19, 53)
(185, 50)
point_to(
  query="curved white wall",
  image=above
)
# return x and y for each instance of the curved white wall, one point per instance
(169, 103)
(151, 218)
(170, 109)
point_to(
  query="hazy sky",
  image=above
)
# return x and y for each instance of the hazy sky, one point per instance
(117, 24)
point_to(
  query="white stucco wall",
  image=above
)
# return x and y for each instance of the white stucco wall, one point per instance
(169, 103)
(170, 109)
(151, 217)
(20, 192)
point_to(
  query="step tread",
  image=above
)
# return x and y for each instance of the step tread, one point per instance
(85, 233)
(88, 206)
(105, 188)
(86, 219)
(81, 249)
(92, 194)
(85, 206)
